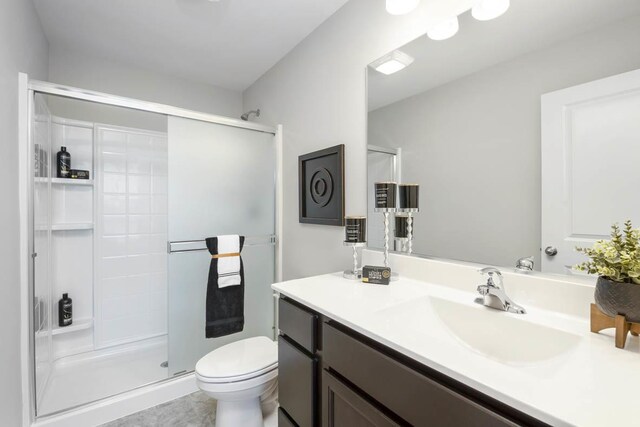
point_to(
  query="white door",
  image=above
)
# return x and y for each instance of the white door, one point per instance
(590, 165)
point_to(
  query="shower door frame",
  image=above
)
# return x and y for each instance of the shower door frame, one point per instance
(27, 89)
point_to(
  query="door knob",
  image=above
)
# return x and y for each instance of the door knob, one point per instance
(551, 251)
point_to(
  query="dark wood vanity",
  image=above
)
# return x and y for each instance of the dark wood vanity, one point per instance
(332, 376)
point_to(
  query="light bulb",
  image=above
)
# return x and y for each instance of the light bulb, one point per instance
(444, 30)
(485, 10)
(401, 7)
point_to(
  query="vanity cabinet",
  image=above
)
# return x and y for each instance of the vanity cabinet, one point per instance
(297, 365)
(354, 381)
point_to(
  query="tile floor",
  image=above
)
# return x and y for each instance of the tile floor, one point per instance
(193, 410)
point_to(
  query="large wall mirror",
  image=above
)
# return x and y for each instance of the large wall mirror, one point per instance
(523, 133)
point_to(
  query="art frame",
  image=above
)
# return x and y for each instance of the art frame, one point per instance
(321, 187)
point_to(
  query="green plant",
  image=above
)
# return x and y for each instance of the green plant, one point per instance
(617, 259)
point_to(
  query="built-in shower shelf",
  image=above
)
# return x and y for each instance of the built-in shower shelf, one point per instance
(72, 226)
(66, 181)
(77, 325)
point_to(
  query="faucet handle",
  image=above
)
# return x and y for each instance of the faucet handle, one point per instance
(493, 274)
(483, 290)
(489, 271)
(525, 264)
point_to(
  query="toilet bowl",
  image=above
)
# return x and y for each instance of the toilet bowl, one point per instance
(238, 375)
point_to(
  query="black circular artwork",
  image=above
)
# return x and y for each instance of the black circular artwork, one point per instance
(321, 187)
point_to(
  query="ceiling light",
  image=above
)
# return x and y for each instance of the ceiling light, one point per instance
(401, 7)
(392, 62)
(444, 30)
(484, 10)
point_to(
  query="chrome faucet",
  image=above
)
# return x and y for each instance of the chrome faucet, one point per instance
(493, 294)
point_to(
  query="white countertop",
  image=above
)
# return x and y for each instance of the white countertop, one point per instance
(593, 384)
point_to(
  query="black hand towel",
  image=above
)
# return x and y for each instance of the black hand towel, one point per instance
(225, 306)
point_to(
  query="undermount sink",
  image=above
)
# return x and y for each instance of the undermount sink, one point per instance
(505, 337)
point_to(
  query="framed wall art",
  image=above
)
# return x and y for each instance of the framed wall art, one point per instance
(321, 186)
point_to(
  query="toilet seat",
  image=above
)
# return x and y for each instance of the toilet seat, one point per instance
(228, 388)
(239, 361)
(240, 378)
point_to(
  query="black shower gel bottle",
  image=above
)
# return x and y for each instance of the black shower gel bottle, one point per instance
(65, 311)
(64, 163)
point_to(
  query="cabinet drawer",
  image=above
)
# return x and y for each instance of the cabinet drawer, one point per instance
(409, 394)
(296, 383)
(298, 324)
(284, 420)
(343, 407)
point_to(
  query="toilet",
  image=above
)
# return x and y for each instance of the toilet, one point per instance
(243, 377)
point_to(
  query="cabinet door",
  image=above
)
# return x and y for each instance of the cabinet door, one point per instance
(343, 407)
(296, 383)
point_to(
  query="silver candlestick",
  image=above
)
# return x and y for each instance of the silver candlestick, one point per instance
(401, 244)
(356, 273)
(410, 233)
(409, 197)
(385, 214)
(386, 239)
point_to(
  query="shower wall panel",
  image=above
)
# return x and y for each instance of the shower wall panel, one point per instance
(131, 247)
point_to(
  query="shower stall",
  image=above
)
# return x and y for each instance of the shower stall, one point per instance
(127, 243)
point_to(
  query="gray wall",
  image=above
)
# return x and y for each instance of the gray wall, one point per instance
(318, 93)
(474, 145)
(100, 74)
(23, 47)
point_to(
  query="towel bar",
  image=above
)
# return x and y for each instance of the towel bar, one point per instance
(199, 245)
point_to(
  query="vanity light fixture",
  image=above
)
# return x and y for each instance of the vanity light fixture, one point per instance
(485, 10)
(444, 30)
(392, 62)
(401, 7)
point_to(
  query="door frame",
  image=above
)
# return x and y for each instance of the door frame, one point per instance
(27, 89)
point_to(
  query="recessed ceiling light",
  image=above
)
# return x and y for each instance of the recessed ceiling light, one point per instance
(392, 62)
(444, 30)
(401, 7)
(484, 10)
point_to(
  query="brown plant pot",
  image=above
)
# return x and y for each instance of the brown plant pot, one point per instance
(614, 298)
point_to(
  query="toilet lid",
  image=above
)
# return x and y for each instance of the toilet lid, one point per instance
(239, 359)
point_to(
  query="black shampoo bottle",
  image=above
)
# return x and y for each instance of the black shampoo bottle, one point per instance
(65, 311)
(64, 163)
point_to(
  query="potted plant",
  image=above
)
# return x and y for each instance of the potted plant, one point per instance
(617, 263)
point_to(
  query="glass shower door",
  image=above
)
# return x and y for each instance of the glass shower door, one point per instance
(43, 321)
(221, 181)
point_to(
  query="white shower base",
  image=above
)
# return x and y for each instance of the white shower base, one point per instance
(91, 376)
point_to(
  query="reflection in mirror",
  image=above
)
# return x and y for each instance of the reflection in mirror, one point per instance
(382, 166)
(522, 133)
